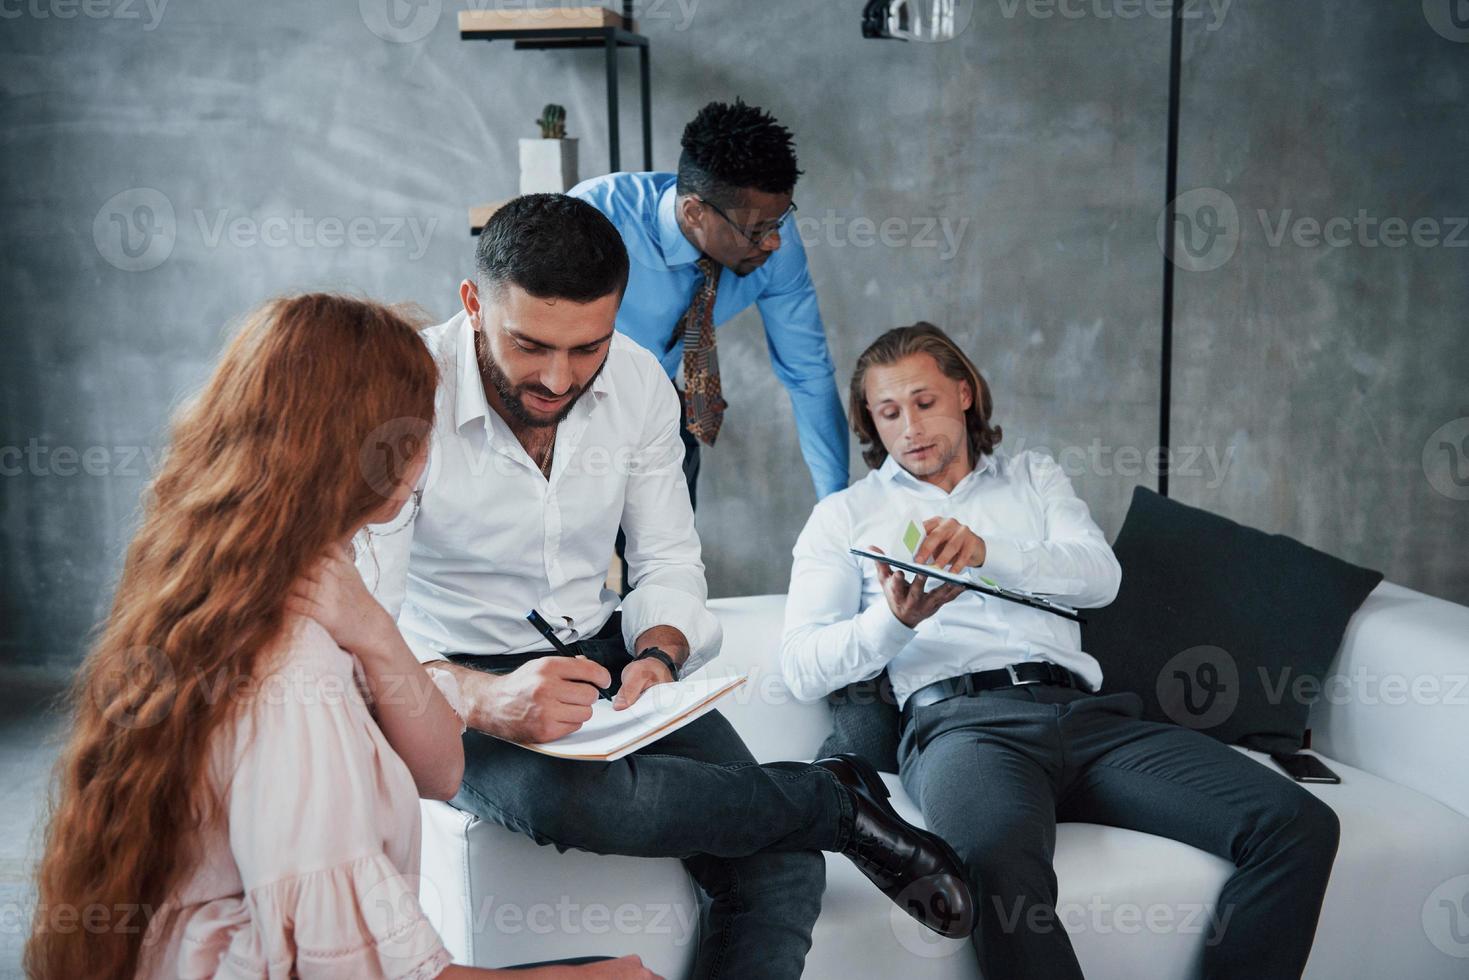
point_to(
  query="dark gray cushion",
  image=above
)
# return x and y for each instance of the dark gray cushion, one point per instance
(1220, 627)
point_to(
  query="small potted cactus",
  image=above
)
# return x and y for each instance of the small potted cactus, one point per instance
(553, 122)
(548, 164)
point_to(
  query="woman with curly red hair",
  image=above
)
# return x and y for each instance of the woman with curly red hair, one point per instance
(239, 795)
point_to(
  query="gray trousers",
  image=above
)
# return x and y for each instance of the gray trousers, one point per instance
(993, 774)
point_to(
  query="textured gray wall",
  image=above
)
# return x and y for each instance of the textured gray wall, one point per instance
(286, 146)
(1335, 365)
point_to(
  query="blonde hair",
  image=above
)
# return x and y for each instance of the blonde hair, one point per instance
(922, 338)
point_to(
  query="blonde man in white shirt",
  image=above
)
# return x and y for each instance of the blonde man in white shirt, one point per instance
(1003, 728)
(552, 430)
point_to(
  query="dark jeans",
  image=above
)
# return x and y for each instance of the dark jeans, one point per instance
(993, 774)
(750, 835)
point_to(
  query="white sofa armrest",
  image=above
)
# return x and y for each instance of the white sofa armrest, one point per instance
(498, 898)
(767, 715)
(1396, 699)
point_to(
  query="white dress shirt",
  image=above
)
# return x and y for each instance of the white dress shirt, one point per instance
(1039, 536)
(494, 538)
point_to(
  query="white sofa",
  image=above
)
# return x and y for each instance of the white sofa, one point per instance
(1395, 727)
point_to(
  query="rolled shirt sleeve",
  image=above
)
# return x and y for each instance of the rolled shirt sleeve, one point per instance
(665, 569)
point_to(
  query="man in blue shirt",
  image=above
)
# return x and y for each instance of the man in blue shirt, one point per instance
(725, 221)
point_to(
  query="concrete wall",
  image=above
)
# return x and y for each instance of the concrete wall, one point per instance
(1018, 169)
(1333, 358)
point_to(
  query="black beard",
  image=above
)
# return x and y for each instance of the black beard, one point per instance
(510, 394)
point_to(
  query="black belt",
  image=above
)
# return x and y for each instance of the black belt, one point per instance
(1011, 675)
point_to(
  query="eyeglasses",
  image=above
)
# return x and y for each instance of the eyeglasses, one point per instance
(758, 236)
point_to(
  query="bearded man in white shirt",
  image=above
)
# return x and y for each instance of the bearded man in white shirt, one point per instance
(551, 430)
(1003, 729)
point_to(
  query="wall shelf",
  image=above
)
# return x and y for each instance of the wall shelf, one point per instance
(574, 27)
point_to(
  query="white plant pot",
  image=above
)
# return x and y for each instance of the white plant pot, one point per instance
(547, 166)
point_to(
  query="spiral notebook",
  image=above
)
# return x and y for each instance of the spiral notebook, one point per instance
(664, 708)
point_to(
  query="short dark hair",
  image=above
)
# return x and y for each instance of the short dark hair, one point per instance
(728, 148)
(553, 247)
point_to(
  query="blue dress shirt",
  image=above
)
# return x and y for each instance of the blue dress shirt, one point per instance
(662, 277)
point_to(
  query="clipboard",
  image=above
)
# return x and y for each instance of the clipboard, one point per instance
(1020, 596)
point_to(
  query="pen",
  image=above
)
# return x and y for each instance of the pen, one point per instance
(544, 628)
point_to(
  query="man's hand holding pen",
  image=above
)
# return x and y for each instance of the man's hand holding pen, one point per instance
(541, 701)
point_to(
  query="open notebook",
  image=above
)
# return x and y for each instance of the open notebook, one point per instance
(663, 708)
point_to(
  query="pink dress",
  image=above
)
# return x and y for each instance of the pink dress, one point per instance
(315, 871)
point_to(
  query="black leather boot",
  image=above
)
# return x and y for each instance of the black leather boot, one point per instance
(914, 868)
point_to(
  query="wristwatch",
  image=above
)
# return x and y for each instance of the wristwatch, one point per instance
(668, 661)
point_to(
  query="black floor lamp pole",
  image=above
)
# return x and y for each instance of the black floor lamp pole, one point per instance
(1165, 380)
